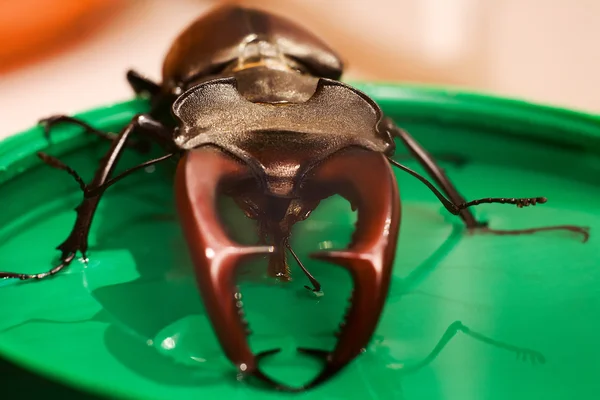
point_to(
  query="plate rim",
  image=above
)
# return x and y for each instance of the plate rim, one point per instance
(411, 103)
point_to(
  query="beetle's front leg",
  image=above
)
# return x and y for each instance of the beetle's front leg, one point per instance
(78, 238)
(433, 169)
(457, 204)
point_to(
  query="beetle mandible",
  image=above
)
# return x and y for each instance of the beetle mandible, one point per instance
(260, 115)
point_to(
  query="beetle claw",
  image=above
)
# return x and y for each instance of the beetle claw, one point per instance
(328, 370)
(324, 354)
(214, 254)
(365, 179)
(265, 379)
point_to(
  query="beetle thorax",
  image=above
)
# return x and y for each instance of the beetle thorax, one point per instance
(280, 123)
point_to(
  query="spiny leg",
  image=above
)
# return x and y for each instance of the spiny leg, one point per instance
(77, 239)
(457, 204)
(457, 326)
(457, 208)
(50, 122)
(519, 202)
(96, 191)
(64, 263)
(434, 170)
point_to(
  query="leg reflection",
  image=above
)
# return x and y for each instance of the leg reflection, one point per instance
(457, 326)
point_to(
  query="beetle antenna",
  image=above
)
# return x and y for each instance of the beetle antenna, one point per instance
(313, 281)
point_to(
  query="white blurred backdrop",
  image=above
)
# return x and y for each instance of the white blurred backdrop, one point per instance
(542, 51)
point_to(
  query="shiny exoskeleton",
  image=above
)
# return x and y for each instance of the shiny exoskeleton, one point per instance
(259, 115)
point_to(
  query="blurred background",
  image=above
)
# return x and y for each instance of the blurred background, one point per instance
(65, 56)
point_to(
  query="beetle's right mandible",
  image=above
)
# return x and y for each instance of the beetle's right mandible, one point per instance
(201, 175)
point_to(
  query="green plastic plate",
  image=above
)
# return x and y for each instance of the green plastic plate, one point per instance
(129, 323)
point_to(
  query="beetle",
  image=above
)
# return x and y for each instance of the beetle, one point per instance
(251, 106)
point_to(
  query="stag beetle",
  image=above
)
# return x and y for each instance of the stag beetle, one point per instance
(260, 115)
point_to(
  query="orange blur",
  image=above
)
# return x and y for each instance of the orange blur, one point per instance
(32, 29)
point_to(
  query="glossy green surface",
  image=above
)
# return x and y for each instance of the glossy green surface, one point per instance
(130, 324)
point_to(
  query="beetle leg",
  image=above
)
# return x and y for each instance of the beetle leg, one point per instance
(50, 122)
(141, 84)
(215, 256)
(96, 191)
(433, 169)
(366, 180)
(440, 177)
(457, 326)
(15, 275)
(456, 209)
(77, 239)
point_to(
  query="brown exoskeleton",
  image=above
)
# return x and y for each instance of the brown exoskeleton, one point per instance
(261, 116)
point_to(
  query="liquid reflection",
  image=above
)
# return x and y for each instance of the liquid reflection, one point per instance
(387, 370)
(157, 326)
